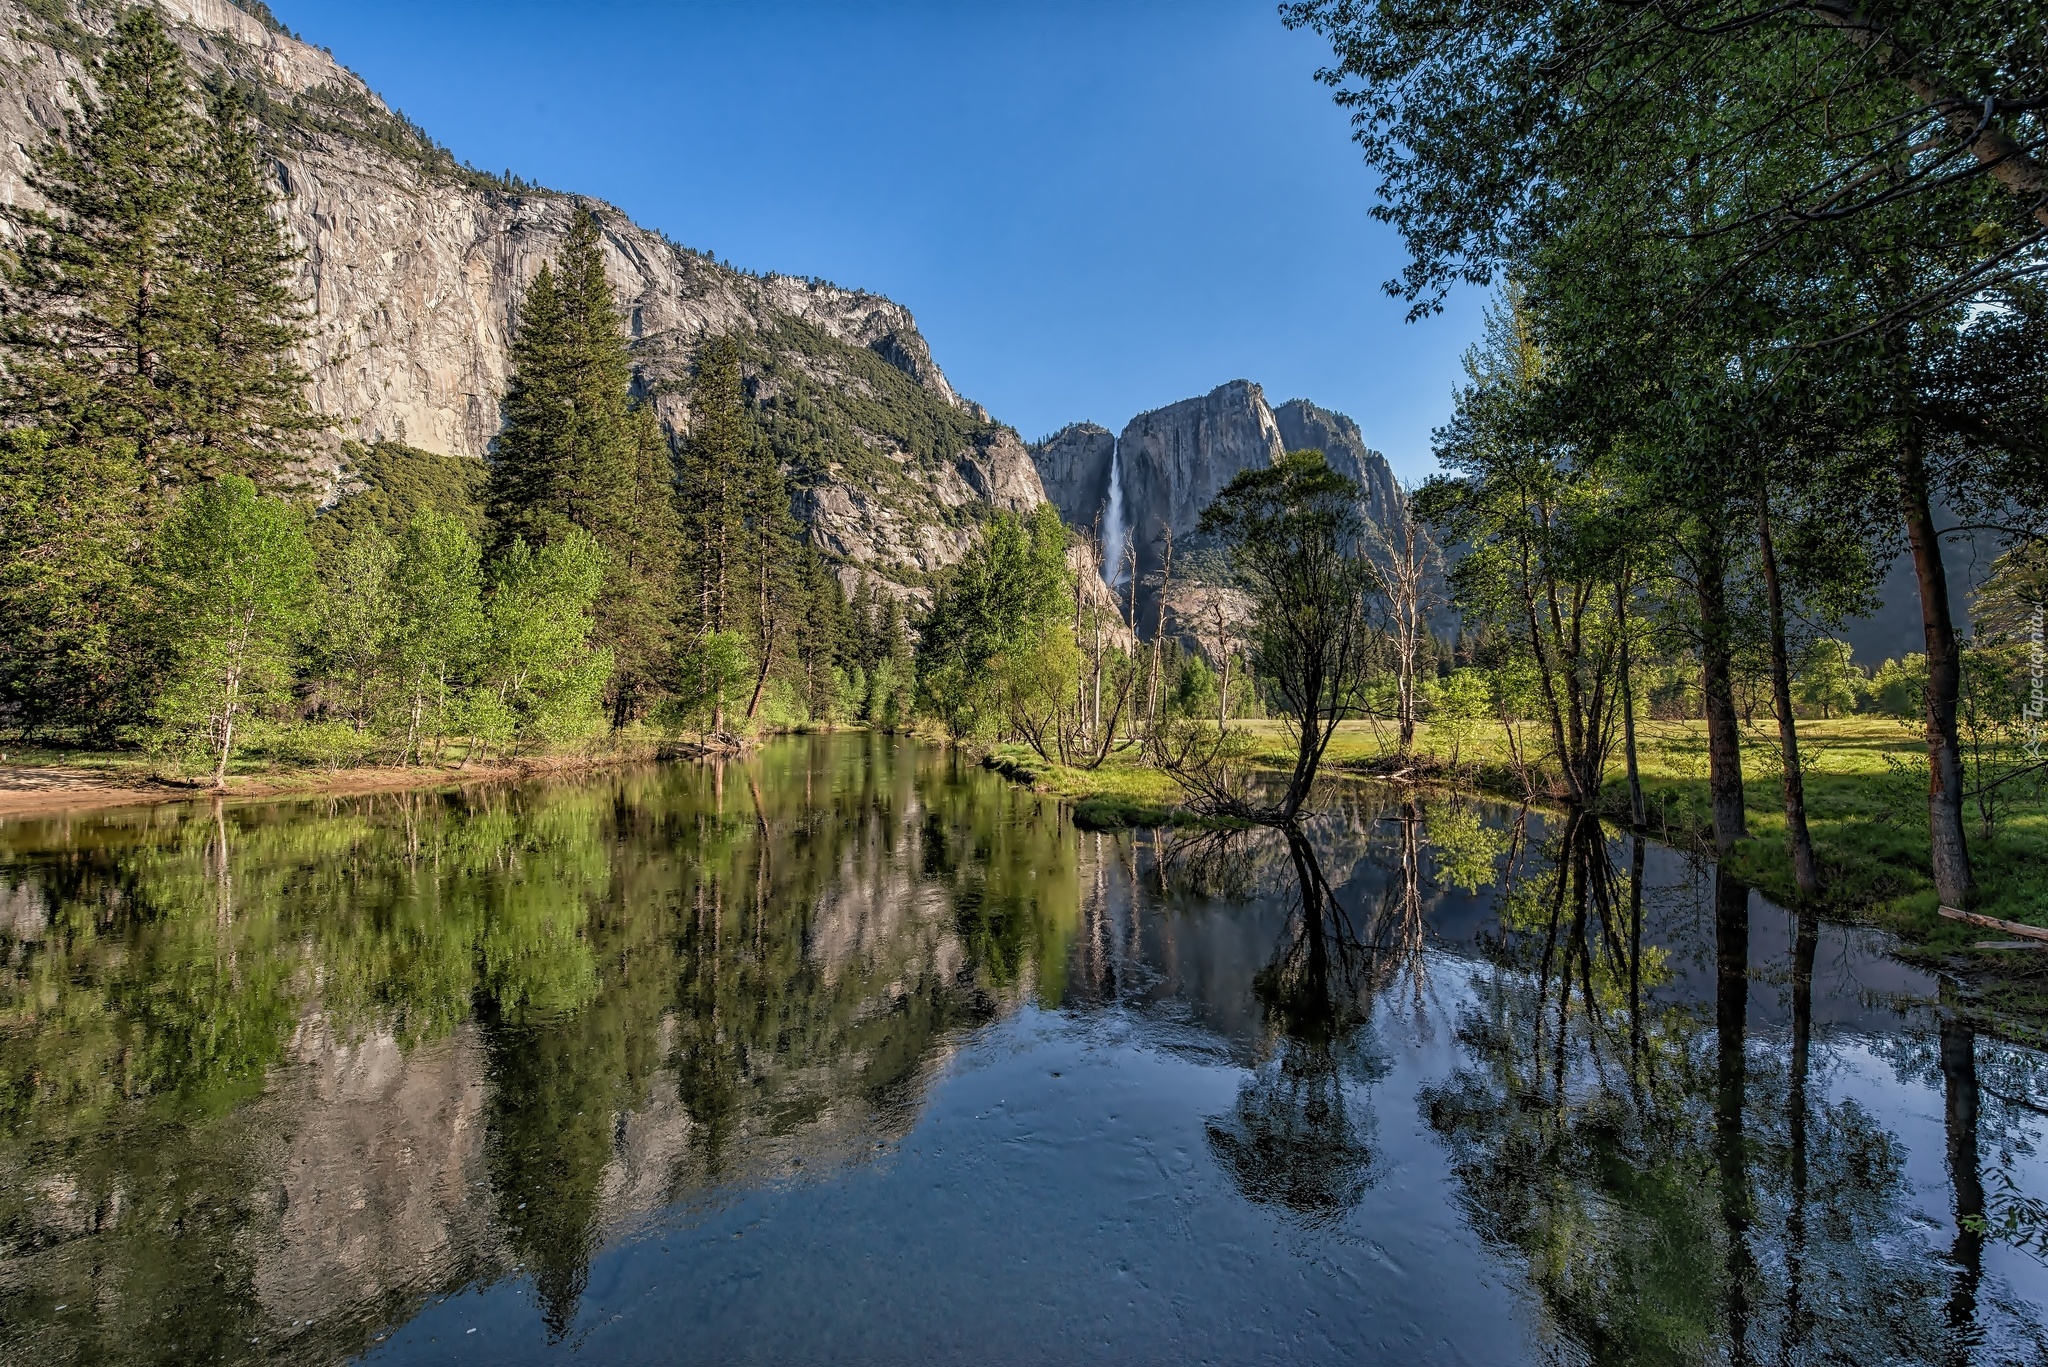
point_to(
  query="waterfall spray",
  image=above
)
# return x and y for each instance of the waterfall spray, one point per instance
(1116, 522)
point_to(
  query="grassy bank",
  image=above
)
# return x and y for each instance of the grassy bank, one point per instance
(1866, 807)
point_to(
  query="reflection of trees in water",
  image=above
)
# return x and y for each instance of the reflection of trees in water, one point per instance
(1676, 1194)
(780, 948)
(1300, 1135)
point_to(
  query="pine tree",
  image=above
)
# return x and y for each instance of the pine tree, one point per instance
(720, 447)
(773, 550)
(824, 634)
(147, 326)
(577, 451)
(98, 309)
(244, 395)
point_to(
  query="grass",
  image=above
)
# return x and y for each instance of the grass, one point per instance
(1866, 809)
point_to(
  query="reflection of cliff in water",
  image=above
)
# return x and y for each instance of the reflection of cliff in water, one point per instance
(373, 1050)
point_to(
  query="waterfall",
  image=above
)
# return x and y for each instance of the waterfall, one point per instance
(1116, 522)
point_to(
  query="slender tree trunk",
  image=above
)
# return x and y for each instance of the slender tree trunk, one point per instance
(1637, 816)
(227, 731)
(1717, 686)
(1953, 879)
(1959, 1087)
(761, 674)
(1223, 693)
(1797, 838)
(1731, 1008)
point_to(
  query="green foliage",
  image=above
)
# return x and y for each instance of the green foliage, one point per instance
(715, 672)
(1459, 706)
(577, 451)
(1293, 537)
(396, 482)
(540, 676)
(67, 573)
(833, 409)
(151, 310)
(1828, 682)
(1899, 688)
(437, 624)
(996, 604)
(235, 588)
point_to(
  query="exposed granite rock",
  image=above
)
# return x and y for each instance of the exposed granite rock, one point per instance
(1306, 427)
(414, 266)
(1073, 464)
(1175, 460)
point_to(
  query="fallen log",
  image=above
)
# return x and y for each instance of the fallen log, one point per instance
(1993, 923)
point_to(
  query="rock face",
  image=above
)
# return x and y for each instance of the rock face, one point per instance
(1306, 427)
(1172, 461)
(1175, 460)
(414, 267)
(1073, 464)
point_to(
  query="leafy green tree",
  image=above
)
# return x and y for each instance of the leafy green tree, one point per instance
(1541, 570)
(68, 519)
(358, 617)
(1009, 587)
(235, 588)
(1854, 191)
(577, 452)
(1292, 534)
(437, 603)
(715, 670)
(541, 675)
(1828, 681)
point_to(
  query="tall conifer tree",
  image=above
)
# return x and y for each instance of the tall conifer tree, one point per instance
(577, 451)
(98, 304)
(713, 483)
(146, 326)
(245, 405)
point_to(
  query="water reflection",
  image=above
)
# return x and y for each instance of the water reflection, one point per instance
(276, 1080)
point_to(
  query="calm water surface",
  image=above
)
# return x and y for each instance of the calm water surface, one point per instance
(854, 1053)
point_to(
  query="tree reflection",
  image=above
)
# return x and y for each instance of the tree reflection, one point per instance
(1675, 1191)
(674, 977)
(1300, 1135)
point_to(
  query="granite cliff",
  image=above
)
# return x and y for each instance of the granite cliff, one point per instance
(414, 266)
(1170, 462)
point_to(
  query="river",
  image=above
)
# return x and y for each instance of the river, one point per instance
(855, 1052)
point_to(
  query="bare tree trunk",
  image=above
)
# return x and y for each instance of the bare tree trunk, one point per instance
(1797, 838)
(1637, 816)
(1717, 687)
(1953, 879)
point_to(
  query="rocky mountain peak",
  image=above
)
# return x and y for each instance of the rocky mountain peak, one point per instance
(1170, 462)
(414, 266)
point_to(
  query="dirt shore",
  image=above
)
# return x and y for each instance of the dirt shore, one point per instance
(37, 789)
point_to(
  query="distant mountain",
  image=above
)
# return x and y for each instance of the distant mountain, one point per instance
(414, 266)
(1157, 477)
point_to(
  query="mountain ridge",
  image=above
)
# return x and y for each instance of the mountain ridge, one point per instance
(414, 265)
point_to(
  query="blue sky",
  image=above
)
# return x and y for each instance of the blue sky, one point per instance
(1092, 209)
